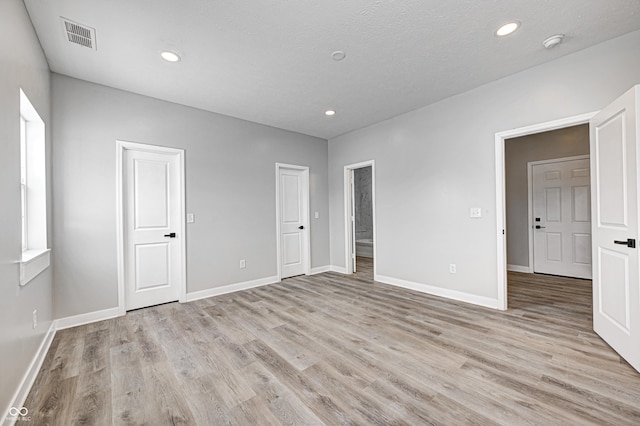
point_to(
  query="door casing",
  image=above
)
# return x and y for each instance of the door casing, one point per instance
(501, 214)
(348, 225)
(306, 247)
(121, 147)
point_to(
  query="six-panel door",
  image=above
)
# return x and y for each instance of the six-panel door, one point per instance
(562, 218)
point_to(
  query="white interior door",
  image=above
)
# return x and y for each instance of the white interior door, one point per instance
(614, 164)
(153, 261)
(293, 215)
(562, 217)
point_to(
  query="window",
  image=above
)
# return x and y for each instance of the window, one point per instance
(23, 179)
(33, 190)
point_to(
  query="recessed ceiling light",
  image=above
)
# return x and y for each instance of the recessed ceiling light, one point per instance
(508, 28)
(338, 55)
(329, 113)
(167, 55)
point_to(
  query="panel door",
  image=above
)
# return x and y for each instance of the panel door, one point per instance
(293, 222)
(562, 218)
(614, 162)
(153, 261)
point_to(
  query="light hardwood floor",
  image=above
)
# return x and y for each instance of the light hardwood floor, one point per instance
(331, 349)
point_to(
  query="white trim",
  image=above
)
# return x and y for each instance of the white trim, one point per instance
(120, 226)
(500, 138)
(320, 270)
(530, 165)
(348, 269)
(121, 146)
(33, 263)
(338, 269)
(30, 375)
(441, 292)
(231, 288)
(520, 268)
(306, 251)
(88, 318)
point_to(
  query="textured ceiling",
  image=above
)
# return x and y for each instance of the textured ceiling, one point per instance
(269, 61)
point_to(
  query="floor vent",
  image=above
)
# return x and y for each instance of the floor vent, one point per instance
(79, 34)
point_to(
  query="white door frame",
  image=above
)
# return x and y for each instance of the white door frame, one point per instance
(347, 214)
(306, 249)
(501, 214)
(121, 146)
(530, 165)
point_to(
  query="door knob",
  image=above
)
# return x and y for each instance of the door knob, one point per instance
(300, 227)
(631, 243)
(171, 235)
(540, 227)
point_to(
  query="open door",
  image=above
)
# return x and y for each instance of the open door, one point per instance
(614, 182)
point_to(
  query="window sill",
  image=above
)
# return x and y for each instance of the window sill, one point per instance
(33, 262)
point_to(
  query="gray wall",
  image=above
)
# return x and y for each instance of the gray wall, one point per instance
(230, 187)
(364, 211)
(22, 65)
(435, 163)
(560, 143)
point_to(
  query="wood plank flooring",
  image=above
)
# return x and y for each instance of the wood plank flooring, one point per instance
(331, 349)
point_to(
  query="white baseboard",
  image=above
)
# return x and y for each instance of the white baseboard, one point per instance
(338, 269)
(216, 291)
(519, 268)
(30, 376)
(87, 318)
(320, 270)
(439, 291)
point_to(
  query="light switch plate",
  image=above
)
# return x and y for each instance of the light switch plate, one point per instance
(475, 212)
(191, 218)
(317, 215)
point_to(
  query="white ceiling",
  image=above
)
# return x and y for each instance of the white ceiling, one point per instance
(269, 61)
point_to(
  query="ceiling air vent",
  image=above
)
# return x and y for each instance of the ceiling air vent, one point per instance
(79, 34)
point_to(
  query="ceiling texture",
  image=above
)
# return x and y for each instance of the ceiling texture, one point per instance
(270, 61)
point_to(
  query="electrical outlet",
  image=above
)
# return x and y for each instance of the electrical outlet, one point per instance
(191, 218)
(452, 268)
(243, 263)
(35, 318)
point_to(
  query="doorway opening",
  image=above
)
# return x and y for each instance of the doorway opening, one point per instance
(360, 230)
(520, 246)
